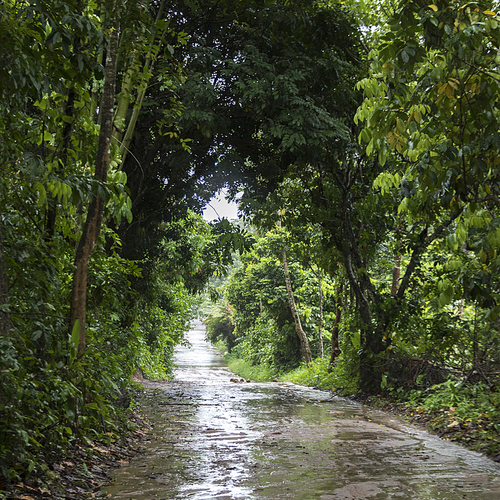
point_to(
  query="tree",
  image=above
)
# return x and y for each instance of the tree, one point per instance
(48, 109)
(320, 304)
(239, 103)
(256, 293)
(238, 83)
(321, 153)
(431, 112)
(4, 292)
(431, 116)
(93, 221)
(258, 296)
(304, 342)
(336, 328)
(335, 197)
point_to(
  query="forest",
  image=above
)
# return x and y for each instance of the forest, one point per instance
(361, 140)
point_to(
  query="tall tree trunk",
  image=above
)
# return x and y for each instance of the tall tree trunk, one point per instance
(123, 133)
(371, 336)
(320, 323)
(92, 226)
(5, 324)
(336, 327)
(304, 342)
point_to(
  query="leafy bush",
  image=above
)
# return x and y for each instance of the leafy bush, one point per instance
(49, 405)
(268, 344)
(469, 401)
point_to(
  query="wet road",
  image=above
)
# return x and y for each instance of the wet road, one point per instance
(216, 439)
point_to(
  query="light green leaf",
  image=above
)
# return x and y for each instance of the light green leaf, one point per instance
(75, 340)
(356, 339)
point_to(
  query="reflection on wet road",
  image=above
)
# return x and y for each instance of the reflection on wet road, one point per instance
(214, 438)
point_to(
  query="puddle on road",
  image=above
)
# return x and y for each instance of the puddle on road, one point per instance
(216, 439)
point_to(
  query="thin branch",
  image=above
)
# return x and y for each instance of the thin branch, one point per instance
(423, 242)
(128, 151)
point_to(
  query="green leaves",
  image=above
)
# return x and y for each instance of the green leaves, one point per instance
(436, 116)
(386, 181)
(447, 292)
(74, 341)
(356, 339)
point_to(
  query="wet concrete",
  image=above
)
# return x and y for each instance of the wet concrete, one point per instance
(214, 438)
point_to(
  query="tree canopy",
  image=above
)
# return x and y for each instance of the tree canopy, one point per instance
(401, 192)
(362, 138)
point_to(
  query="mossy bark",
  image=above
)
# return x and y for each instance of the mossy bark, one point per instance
(304, 342)
(93, 222)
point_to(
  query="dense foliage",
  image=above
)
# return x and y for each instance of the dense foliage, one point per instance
(64, 203)
(364, 140)
(263, 323)
(400, 206)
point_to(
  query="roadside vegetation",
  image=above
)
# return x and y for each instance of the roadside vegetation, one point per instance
(464, 412)
(362, 141)
(379, 255)
(442, 374)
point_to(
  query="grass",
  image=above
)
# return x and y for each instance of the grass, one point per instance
(312, 375)
(256, 373)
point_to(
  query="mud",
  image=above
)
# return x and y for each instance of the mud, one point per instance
(214, 438)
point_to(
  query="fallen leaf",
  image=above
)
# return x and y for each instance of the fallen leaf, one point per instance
(25, 487)
(102, 450)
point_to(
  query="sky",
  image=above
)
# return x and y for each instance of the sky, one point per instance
(223, 208)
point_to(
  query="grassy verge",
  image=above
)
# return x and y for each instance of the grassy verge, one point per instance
(256, 373)
(314, 375)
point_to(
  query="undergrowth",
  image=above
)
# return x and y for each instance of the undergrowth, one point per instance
(466, 413)
(243, 368)
(313, 375)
